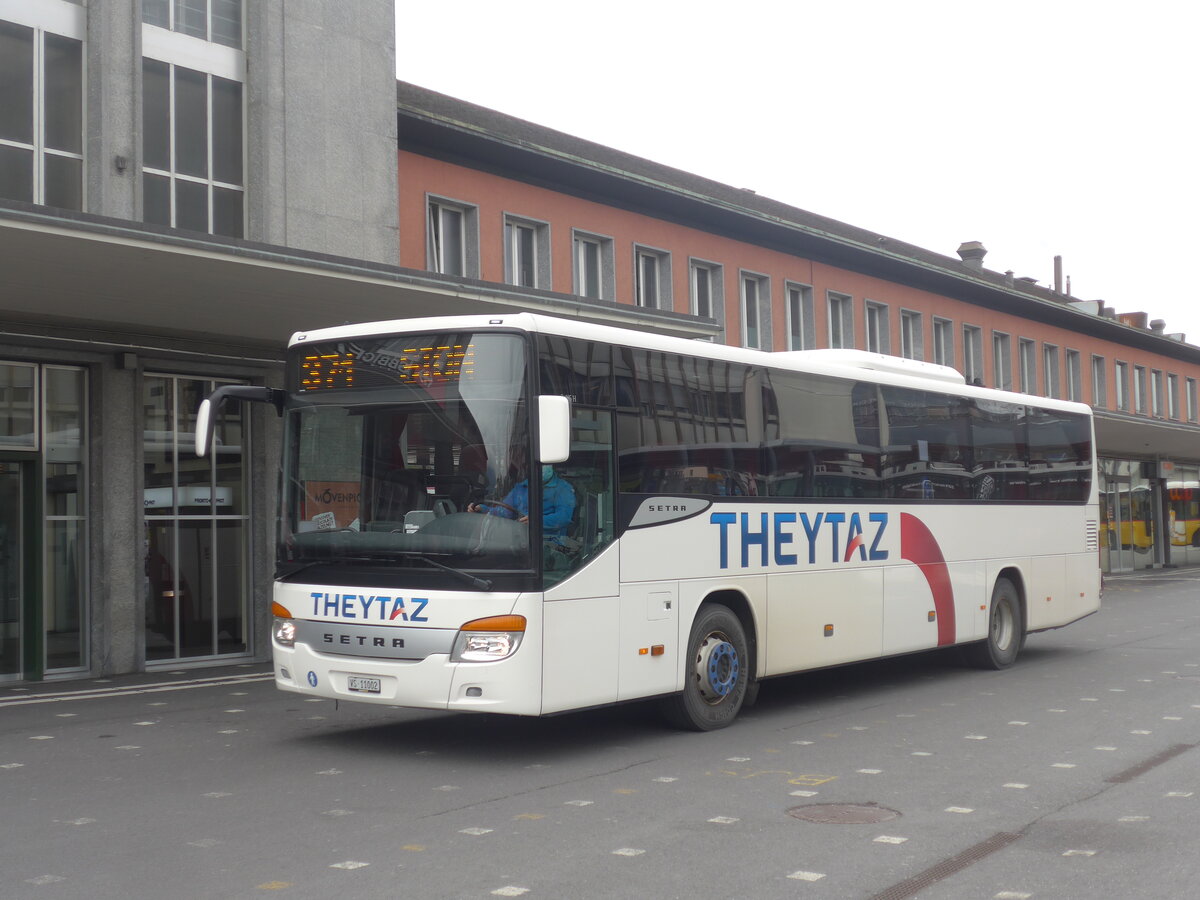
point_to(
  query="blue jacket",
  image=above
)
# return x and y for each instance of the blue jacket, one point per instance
(558, 505)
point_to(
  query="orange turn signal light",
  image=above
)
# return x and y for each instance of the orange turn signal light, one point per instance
(496, 623)
(280, 611)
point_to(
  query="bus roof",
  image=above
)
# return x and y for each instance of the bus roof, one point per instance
(852, 364)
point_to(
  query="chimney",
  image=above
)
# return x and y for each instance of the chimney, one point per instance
(972, 253)
(1158, 326)
(1058, 275)
(1133, 319)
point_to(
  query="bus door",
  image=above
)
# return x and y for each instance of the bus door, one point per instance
(581, 575)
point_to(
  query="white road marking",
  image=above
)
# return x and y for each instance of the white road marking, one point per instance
(153, 688)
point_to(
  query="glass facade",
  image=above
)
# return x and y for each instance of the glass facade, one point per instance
(1147, 521)
(43, 518)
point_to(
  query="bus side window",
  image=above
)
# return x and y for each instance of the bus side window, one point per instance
(588, 470)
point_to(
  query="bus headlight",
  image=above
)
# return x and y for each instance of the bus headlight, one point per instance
(488, 640)
(284, 632)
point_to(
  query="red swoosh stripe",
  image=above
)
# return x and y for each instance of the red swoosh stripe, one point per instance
(919, 546)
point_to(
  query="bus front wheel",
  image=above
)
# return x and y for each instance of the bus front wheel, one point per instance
(716, 672)
(1006, 630)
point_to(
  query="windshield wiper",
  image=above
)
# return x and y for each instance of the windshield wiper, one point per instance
(482, 584)
(309, 563)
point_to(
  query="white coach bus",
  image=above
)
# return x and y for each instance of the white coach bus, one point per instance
(711, 516)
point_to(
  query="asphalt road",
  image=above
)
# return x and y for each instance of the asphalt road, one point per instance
(1076, 774)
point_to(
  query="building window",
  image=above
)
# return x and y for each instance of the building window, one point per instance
(802, 330)
(756, 311)
(1074, 376)
(652, 278)
(943, 342)
(1027, 366)
(1156, 393)
(706, 290)
(192, 150)
(1173, 396)
(526, 252)
(453, 238)
(973, 354)
(1193, 402)
(1099, 383)
(594, 269)
(1050, 370)
(841, 320)
(912, 343)
(1139, 390)
(879, 339)
(1001, 361)
(41, 114)
(1121, 385)
(219, 21)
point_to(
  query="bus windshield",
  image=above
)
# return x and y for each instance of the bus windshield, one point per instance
(390, 443)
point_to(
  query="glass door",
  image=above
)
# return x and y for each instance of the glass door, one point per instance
(12, 575)
(19, 655)
(196, 539)
(1117, 524)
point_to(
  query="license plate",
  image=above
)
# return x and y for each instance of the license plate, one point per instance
(361, 685)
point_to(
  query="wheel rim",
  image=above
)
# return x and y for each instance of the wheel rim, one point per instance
(1003, 624)
(717, 668)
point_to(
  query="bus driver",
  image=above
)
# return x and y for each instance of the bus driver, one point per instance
(558, 504)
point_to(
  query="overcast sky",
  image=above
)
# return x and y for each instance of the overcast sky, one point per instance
(1039, 127)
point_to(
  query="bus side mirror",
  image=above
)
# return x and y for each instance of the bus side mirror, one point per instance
(554, 428)
(210, 407)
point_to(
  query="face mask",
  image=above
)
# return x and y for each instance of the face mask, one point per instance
(547, 473)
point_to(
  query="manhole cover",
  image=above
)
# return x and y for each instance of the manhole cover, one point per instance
(843, 813)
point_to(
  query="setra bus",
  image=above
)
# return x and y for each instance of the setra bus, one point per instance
(712, 516)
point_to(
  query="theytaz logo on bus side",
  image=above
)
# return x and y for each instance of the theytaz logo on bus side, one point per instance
(783, 538)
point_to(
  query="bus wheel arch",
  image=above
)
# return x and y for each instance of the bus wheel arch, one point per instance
(1007, 618)
(718, 663)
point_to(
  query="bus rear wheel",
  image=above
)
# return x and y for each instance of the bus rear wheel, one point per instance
(716, 672)
(1006, 630)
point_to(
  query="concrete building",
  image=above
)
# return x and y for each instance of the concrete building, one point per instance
(191, 182)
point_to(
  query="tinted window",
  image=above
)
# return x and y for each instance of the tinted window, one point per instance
(927, 445)
(823, 440)
(1059, 455)
(1001, 462)
(578, 369)
(684, 425)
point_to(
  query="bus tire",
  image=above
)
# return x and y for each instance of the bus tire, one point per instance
(716, 672)
(1006, 630)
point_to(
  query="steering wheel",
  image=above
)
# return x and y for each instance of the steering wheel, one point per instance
(516, 512)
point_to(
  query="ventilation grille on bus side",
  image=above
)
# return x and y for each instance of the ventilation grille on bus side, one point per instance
(1092, 535)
